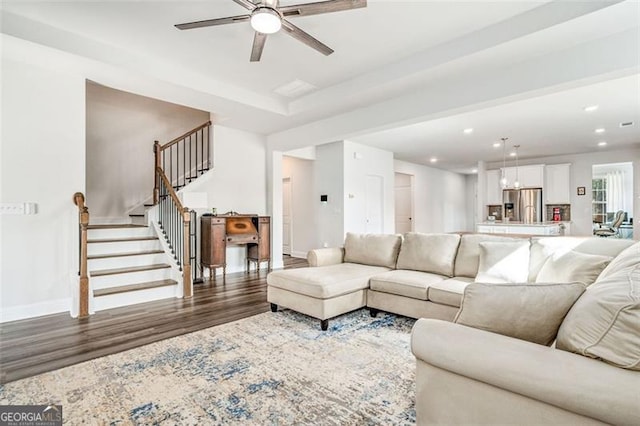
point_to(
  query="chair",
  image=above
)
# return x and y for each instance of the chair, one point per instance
(613, 229)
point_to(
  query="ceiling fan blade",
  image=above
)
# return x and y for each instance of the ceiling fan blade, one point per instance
(246, 4)
(315, 8)
(304, 37)
(212, 22)
(258, 44)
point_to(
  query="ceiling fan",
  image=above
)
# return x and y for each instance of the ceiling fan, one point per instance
(267, 17)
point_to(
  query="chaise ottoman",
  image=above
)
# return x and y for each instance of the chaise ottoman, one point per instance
(339, 282)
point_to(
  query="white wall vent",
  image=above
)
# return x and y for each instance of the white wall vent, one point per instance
(626, 124)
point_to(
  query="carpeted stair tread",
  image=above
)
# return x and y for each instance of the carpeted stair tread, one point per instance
(133, 253)
(123, 239)
(129, 269)
(133, 287)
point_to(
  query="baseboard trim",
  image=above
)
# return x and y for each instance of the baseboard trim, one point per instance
(14, 313)
(298, 254)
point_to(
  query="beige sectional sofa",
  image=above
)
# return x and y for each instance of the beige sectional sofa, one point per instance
(419, 276)
(480, 368)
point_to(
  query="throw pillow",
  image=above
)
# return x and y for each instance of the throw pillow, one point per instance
(530, 312)
(605, 322)
(433, 253)
(572, 267)
(627, 258)
(372, 249)
(503, 262)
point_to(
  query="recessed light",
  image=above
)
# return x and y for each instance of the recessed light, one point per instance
(603, 143)
(467, 131)
(590, 108)
(497, 144)
(512, 154)
(433, 160)
(600, 130)
(474, 170)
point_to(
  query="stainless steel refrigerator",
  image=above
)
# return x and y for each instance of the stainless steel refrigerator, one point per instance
(523, 205)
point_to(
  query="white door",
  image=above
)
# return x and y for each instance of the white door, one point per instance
(403, 203)
(286, 216)
(374, 200)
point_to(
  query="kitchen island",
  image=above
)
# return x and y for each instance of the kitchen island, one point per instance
(521, 228)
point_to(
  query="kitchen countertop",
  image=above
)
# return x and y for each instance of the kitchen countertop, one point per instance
(516, 223)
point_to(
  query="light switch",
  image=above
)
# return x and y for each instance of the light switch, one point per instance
(18, 208)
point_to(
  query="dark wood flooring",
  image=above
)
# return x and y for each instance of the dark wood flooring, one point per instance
(34, 346)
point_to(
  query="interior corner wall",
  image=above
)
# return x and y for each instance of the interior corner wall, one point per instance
(121, 130)
(360, 162)
(237, 181)
(43, 153)
(304, 204)
(440, 200)
(329, 180)
(471, 202)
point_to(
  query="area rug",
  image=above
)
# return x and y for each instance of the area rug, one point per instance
(274, 368)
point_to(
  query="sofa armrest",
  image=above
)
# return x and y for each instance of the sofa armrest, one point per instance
(572, 382)
(325, 256)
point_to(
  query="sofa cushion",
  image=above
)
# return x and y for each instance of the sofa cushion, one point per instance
(325, 282)
(434, 253)
(412, 284)
(503, 262)
(605, 322)
(543, 247)
(530, 312)
(627, 258)
(448, 292)
(572, 267)
(468, 256)
(372, 249)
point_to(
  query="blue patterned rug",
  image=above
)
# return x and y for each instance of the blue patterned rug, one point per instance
(270, 369)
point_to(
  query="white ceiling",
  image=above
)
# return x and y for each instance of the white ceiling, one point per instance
(406, 76)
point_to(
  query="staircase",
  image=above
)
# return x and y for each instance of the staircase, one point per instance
(153, 257)
(127, 264)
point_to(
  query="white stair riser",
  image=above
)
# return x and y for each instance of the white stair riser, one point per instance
(126, 261)
(123, 247)
(132, 297)
(121, 232)
(108, 281)
(138, 220)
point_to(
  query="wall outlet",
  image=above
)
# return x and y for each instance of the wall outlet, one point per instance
(18, 208)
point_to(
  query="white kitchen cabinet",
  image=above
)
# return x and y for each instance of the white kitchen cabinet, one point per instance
(529, 176)
(557, 184)
(494, 190)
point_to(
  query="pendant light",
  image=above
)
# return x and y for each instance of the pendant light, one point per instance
(516, 183)
(503, 177)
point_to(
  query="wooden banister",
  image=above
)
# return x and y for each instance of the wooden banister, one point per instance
(185, 215)
(186, 135)
(83, 220)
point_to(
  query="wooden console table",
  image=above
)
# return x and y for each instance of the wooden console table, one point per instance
(218, 232)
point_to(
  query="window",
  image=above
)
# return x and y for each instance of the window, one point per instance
(599, 200)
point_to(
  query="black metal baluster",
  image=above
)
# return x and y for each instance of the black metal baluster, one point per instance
(184, 163)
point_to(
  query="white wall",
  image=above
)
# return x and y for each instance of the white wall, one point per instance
(440, 203)
(329, 180)
(581, 174)
(361, 161)
(237, 181)
(43, 153)
(471, 182)
(121, 129)
(304, 205)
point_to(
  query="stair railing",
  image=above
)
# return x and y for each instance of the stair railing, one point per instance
(175, 222)
(83, 220)
(183, 159)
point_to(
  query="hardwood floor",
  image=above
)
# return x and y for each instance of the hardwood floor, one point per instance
(34, 346)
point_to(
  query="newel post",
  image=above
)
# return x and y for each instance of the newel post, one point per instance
(186, 258)
(83, 219)
(157, 164)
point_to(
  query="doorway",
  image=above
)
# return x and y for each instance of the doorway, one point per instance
(287, 219)
(612, 199)
(403, 202)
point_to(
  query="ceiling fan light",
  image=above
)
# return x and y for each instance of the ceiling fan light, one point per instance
(266, 20)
